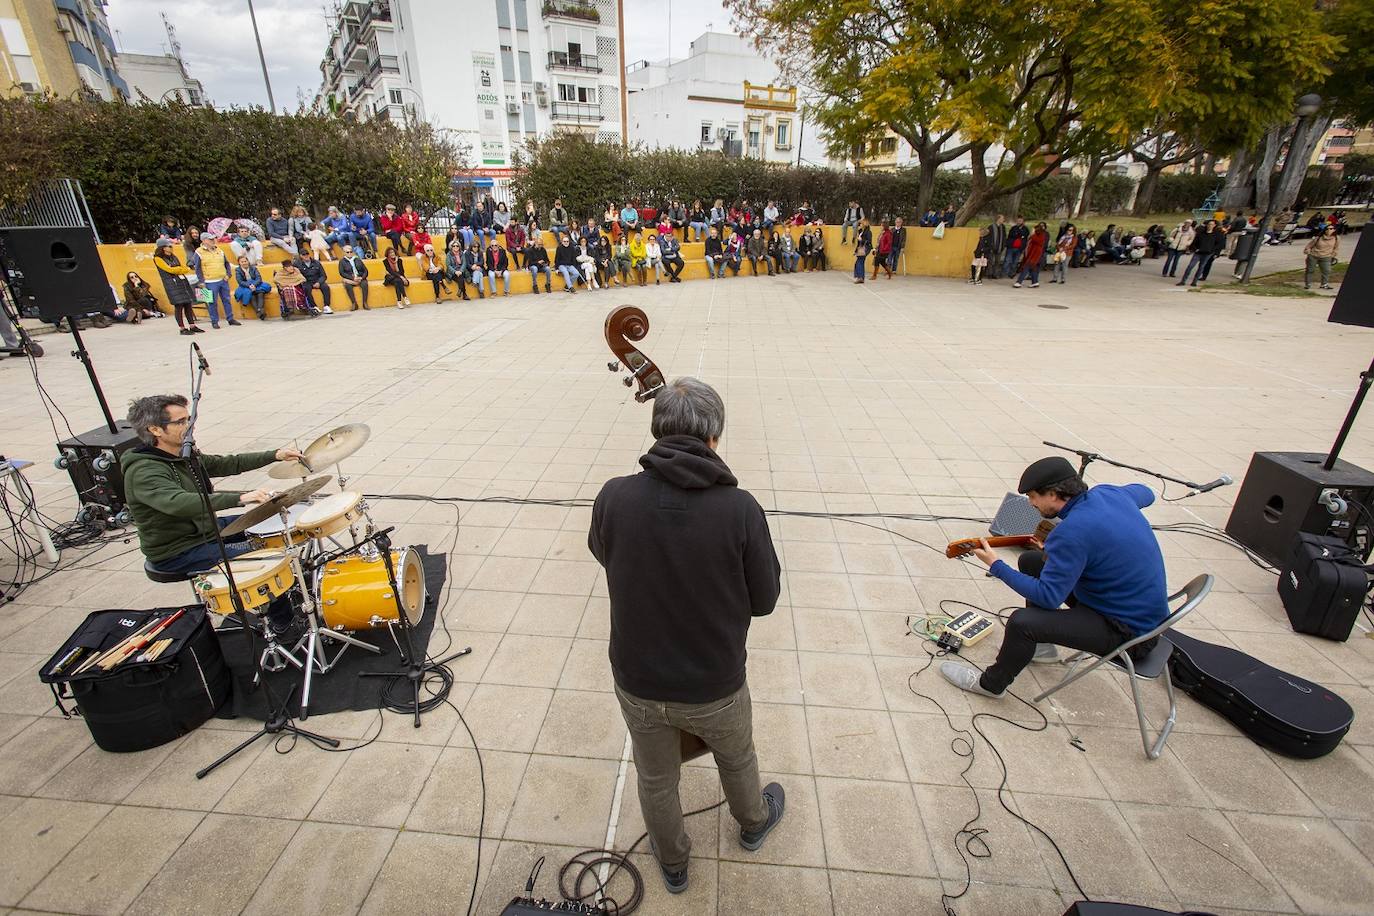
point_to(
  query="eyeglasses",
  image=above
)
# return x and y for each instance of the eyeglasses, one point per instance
(181, 422)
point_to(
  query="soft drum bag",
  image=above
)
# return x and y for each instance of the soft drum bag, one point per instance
(1323, 586)
(141, 703)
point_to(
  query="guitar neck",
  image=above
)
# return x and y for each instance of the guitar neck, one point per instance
(966, 545)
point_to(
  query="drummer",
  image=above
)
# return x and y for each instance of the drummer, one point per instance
(173, 531)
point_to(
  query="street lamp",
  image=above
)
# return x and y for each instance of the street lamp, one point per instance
(1307, 106)
(271, 105)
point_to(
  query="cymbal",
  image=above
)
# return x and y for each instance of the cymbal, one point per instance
(263, 511)
(331, 448)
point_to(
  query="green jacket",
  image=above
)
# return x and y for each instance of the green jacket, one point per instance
(167, 509)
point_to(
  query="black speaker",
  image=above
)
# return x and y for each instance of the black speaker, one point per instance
(1279, 498)
(1355, 299)
(92, 460)
(56, 269)
(1100, 908)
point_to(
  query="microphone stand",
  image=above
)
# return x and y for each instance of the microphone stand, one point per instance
(278, 720)
(1087, 458)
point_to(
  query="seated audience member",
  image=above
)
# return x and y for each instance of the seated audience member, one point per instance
(431, 268)
(365, 229)
(671, 252)
(734, 253)
(176, 283)
(804, 249)
(803, 214)
(605, 262)
(929, 220)
(665, 225)
(394, 276)
(515, 242)
(639, 258)
(421, 238)
(719, 217)
(319, 242)
(337, 230)
(770, 215)
(774, 254)
(279, 232)
(482, 230)
(715, 254)
(1102, 559)
(462, 224)
(737, 219)
(536, 262)
(853, 215)
(299, 223)
(629, 218)
(623, 260)
(212, 269)
(291, 292)
(138, 297)
(353, 276)
(313, 271)
(391, 226)
(697, 221)
(558, 218)
(653, 257)
(410, 230)
(453, 267)
(246, 245)
(757, 250)
(586, 263)
(679, 629)
(590, 233)
(169, 228)
(676, 218)
(498, 267)
(787, 252)
(565, 262)
(818, 248)
(949, 216)
(475, 268)
(610, 220)
(500, 219)
(532, 224)
(250, 288)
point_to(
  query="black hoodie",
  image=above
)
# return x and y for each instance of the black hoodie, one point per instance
(689, 561)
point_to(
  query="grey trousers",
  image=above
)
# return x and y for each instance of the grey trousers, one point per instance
(727, 728)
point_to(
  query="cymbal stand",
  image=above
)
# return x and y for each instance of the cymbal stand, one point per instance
(278, 719)
(417, 668)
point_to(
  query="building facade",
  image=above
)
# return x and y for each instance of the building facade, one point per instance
(62, 47)
(493, 73)
(161, 78)
(722, 96)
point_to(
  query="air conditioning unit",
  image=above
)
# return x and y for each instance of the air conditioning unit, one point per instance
(540, 87)
(721, 133)
(513, 108)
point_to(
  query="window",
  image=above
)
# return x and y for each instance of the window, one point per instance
(507, 64)
(755, 134)
(502, 14)
(705, 132)
(568, 92)
(395, 96)
(525, 74)
(522, 21)
(782, 137)
(888, 144)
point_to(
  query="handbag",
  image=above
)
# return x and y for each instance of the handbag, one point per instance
(980, 262)
(939, 232)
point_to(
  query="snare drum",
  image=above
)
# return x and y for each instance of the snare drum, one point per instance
(356, 595)
(261, 576)
(270, 535)
(330, 515)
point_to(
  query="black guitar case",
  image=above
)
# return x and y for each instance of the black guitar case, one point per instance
(1279, 710)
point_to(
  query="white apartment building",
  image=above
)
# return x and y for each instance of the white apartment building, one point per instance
(494, 73)
(161, 78)
(723, 96)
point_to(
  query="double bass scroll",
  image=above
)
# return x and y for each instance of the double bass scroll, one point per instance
(623, 325)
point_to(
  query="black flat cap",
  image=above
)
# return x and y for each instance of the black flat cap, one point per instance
(1045, 473)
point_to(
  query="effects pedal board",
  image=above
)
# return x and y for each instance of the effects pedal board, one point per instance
(969, 627)
(528, 906)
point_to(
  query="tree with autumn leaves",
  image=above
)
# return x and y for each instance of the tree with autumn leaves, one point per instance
(1021, 88)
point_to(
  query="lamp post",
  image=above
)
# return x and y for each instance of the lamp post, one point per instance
(1307, 106)
(271, 104)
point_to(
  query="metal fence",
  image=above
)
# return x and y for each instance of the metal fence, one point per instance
(54, 204)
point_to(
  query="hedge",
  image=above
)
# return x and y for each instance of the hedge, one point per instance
(137, 163)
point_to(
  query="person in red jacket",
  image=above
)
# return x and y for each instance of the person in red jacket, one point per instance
(391, 226)
(883, 251)
(410, 225)
(1035, 254)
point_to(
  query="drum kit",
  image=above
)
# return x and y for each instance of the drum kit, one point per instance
(324, 554)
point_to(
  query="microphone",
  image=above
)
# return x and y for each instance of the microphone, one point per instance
(1221, 481)
(205, 364)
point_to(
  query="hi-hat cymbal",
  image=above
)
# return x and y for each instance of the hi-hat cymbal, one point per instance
(263, 511)
(331, 448)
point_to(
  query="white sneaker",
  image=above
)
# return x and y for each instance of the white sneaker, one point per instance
(1016, 286)
(328, 311)
(400, 305)
(965, 678)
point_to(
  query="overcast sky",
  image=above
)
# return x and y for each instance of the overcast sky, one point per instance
(216, 39)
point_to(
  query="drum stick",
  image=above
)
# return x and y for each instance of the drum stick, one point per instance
(143, 641)
(99, 656)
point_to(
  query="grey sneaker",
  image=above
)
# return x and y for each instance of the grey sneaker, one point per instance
(1046, 653)
(775, 799)
(965, 678)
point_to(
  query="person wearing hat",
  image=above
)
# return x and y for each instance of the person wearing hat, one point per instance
(1102, 559)
(176, 281)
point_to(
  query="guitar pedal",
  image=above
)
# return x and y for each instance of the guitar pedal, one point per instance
(969, 627)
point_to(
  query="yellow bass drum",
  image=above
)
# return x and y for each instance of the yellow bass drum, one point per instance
(356, 595)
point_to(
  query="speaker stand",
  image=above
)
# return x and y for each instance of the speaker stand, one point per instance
(1366, 379)
(84, 358)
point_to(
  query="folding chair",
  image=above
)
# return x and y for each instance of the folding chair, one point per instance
(1153, 666)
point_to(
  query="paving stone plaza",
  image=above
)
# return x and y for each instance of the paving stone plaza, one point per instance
(914, 396)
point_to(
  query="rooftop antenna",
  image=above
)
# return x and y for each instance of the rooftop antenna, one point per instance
(172, 42)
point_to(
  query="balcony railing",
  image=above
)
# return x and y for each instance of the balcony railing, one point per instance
(563, 60)
(581, 112)
(376, 12)
(780, 98)
(71, 6)
(354, 91)
(572, 9)
(385, 63)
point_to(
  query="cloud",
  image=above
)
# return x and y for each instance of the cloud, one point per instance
(646, 26)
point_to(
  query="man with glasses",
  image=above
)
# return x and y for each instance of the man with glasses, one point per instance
(174, 531)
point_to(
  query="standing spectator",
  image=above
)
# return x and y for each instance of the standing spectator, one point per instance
(1063, 253)
(1207, 245)
(190, 243)
(353, 276)
(894, 257)
(251, 289)
(515, 241)
(629, 218)
(880, 258)
(1234, 229)
(391, 225)
(291, 293)
(245, 245)
(475, 267)
(997, 244)
(1034, 256)
(176, 282)
(432, 269)
(565, 262)
(364, 229)
(1321, 253)
(279, 232)
(212, 269)
(715, 254)
(394, 276)
(138, 297)
(853, 215)
(863, 245)
(653, 256)
(319, 242)
(299, 225)
(169, 228)
(498, 266)
(537, 260)
(672, 258)
(1017, 236)
(697, 221)
(982, 256)
(313, 272)
(639, 257)
(558, 220)
(1180, 240)
(758, 251)
(337, 230)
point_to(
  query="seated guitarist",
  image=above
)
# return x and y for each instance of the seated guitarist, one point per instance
(1102, 559)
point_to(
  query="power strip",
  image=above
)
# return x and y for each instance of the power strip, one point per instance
(969, 627)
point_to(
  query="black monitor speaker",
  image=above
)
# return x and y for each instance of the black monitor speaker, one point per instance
(1355, 298)
(56, 269)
